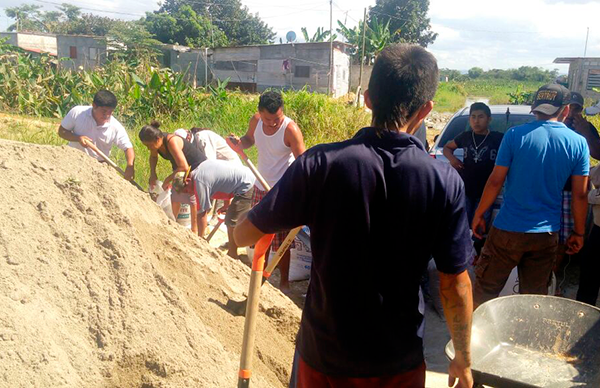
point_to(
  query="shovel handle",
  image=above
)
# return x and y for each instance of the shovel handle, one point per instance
(258, 264)
(112, 164)
(216, 228)
(237, 147)
(281, 251)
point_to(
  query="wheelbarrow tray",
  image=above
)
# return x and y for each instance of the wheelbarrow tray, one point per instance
(529, 341)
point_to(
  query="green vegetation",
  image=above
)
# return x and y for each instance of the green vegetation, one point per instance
(36, 86)
(451, 96)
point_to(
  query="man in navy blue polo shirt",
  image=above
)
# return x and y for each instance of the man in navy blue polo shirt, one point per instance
(378, 207)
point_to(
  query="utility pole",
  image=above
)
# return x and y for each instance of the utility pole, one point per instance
(205, 66)
(362, 54)
(586, 42)
(330, 81)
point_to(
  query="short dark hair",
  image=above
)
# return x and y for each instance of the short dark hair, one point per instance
(151, 133)
(105, 98)
(482, 107)
(404, 78)
(271, 101)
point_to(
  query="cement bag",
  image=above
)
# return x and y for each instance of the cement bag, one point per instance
(184, 218)
(164, 199)
(301, 257)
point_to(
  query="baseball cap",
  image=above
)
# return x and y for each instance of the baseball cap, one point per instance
(593, 110)
(577, 99)
(550, 98)
(181, 133)
(180, 180)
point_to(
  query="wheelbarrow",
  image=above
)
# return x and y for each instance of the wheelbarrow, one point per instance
(525, 341)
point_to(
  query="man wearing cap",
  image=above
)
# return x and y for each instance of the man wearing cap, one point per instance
(579, 124)
(536, 160)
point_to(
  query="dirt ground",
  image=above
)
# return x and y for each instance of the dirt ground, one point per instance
(99, 289)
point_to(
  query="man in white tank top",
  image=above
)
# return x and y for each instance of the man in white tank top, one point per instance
(279, 142)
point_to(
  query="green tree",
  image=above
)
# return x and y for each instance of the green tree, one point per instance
(184, 27)
(377, 37)
(89, 24)
(132, 42)
(450, 73)
(27, 18)
(475, 72)
(71, 12)
(408, 21)
(239, 25)
(322, 35)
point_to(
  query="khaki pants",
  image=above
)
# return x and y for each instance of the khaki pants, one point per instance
(532, 253)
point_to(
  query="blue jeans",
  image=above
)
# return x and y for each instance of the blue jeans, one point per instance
(471, 205)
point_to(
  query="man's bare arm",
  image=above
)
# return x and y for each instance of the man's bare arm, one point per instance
(490, 193)
(245, 233)
(293, 138)
(70, 136)
(129, 169)
(457, 300)
(579, 208)
(248, 139)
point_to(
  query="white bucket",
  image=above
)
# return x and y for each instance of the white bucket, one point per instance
(184, 218)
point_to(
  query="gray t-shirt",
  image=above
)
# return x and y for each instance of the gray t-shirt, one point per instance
(219, 176)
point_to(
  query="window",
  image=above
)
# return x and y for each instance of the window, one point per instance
(73, 52)
(302, 71)
(593, 80)
(94, 54)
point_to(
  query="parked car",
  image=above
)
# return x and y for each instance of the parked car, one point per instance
(504, 117)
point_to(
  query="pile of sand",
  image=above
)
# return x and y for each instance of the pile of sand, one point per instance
(99, 289)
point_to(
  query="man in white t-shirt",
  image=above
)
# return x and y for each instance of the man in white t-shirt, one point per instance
(94, 125)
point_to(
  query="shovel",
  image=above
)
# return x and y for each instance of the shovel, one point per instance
(113, 164)
(258, 264)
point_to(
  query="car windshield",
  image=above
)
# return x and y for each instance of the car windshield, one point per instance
(499, 124)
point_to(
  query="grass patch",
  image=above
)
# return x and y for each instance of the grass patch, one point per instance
(451, 96)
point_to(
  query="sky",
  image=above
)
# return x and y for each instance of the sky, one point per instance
(489, 34)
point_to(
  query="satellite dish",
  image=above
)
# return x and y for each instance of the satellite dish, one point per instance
(290, 36)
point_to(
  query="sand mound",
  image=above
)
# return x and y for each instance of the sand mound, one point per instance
(99, 289)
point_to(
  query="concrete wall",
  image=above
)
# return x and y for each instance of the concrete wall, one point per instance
(341, 73)
(288, 66)
(354, 75)
(191, 62)
(90, 51)
(12, 37)
(34, 42)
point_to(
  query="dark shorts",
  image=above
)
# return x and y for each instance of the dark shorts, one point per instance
(309, 378)
(532, 253)
(279, 237)
(240, 205)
